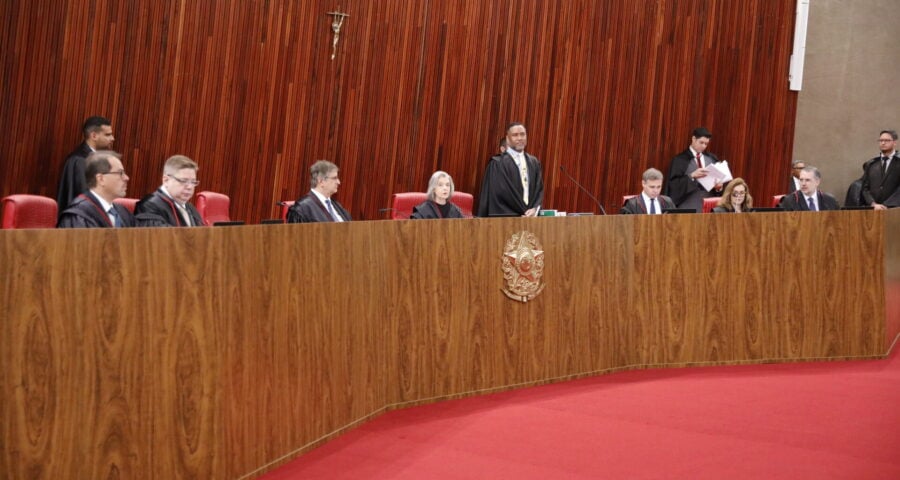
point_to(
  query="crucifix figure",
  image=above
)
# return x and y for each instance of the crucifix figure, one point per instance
(336, 22)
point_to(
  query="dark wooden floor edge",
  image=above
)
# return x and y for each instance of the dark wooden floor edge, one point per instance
(284, 459)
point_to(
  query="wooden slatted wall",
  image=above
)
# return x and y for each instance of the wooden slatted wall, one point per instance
(246, 88)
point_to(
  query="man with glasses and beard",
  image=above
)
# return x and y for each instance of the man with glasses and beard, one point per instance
(106, 181)
(170, 204)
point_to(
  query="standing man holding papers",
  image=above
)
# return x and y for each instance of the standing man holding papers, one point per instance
(513, 182)
(688, 168)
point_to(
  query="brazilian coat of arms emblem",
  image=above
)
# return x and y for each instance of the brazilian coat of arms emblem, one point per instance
(523, 267)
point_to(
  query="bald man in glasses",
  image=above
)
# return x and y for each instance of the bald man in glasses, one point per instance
(106, 181)
(169, 205)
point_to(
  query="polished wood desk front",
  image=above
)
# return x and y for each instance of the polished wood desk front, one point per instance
(216, 352)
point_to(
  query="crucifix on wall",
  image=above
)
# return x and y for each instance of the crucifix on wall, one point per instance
(336, 23)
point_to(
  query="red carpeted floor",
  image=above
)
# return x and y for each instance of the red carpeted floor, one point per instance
(791, 421)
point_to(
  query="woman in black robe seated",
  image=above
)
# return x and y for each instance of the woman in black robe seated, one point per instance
(736, 198)
(438, 205)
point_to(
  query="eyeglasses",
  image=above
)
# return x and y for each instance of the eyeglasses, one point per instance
(885, 140)
(185, 181)
(120, 173)
(738, 194)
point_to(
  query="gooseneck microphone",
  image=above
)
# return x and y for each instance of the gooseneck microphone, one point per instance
(563, 169)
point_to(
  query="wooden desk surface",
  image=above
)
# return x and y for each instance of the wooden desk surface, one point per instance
(213, 352)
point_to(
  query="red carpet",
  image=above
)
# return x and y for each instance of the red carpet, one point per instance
(794, 421)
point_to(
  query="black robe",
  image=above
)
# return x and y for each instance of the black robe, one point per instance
(797, 202)
(429, 209)
(501, 190)
(681, 188)
(86, 211)
(309, 209)
(158, 209)
(72, 181)
(636, 206)
(881, 188)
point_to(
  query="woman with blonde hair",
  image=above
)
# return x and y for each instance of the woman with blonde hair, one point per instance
(438, 205)
(736, 198)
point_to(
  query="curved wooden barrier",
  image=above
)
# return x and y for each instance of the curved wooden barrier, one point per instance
(219, 352)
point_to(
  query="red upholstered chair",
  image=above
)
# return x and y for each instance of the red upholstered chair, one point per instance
(710, 203)
(285, 206)
(29, 211)
(213, 207)
(465, 202)
(128, 203)
(403, 203)
(776, 199)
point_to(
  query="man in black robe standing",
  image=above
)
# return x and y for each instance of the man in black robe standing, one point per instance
(513, 182)
(94, 208)
(689, 166)
(98, 135)
(317, 205)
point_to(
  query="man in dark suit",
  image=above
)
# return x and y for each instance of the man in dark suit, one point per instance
(796, 166)
(170, 204)
(809, 198)
(881, 175)
(513, 181)
(98, 135)
(689, 166)
(94, 208)
(317, 205)
(649, 201)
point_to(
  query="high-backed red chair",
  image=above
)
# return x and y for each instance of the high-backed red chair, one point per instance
(285, 206)
(403, 203)
(29, 211)
(465, 202)
(710, 203)
(213, 207)
(128, 203)
(776, 199)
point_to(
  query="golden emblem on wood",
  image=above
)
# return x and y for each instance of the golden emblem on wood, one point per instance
(523, 267)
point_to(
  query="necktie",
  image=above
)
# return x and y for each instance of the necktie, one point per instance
(115, 217)
(184, 215)
(699, 160)
(652, 206)
(523, 170)
(812, 204)
(331, 210)
(883, 165)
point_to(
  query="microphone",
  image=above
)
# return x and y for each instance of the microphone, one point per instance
(563, 169)
(386, 210)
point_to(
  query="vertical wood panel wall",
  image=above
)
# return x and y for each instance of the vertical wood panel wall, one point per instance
(246, 88)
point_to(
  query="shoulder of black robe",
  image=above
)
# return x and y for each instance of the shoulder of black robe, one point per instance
(678, 182)
(308, 209)
(536, 179)
(146, 219)
(632, 206)
(341, 210)
(427, 210)
(827, 202)
(666, 202)
(158, 209)
(72, 181)
(84, 212)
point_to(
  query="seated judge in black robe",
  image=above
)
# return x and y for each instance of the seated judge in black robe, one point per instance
(505, 191)
(107, 181)
(809, 188)
(171, 202)
(98, 135)
(438, 205)
(318, 205)
(736, 198)
(682, 186)
(649, 201)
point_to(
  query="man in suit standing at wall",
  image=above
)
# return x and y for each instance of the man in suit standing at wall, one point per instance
(513, 182)
(170, 204)
(649, 201)
(809, 198)
(98, 135)
(317, 205)
(881, 175)
(689, 166)
(796, 167)
(94, 208)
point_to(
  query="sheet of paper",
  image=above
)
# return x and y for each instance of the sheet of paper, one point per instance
(715, 173)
